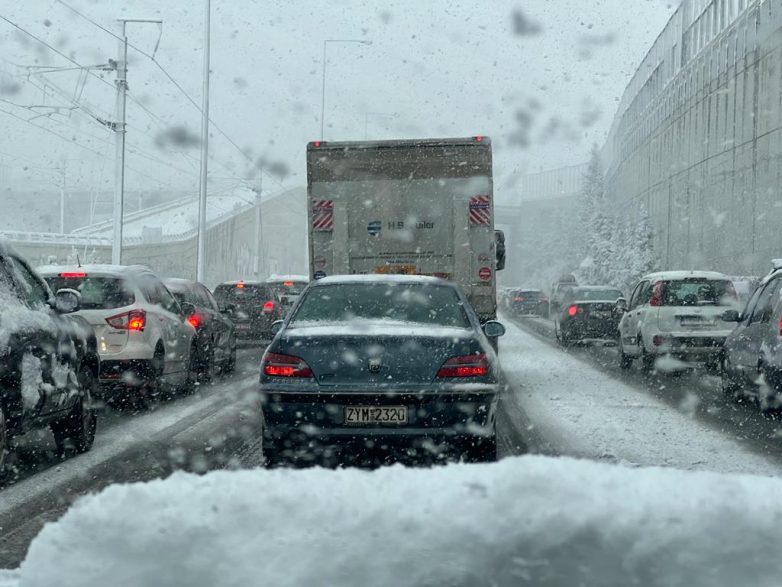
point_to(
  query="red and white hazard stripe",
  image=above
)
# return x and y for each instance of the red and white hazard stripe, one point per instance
(323, 215)
(480, 210)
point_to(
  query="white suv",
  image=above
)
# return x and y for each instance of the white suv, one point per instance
(144, 340)
(676, 313)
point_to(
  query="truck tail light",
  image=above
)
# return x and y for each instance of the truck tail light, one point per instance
(268, 307)
(476, 365)
(279, 365)
(657, 294)
(572, 310)
(134, 320)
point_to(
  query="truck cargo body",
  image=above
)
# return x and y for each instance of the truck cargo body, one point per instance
(420, 207)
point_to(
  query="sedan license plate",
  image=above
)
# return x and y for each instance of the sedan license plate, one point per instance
(375, 415)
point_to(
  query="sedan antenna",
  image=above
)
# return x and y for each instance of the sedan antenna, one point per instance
(78, 261)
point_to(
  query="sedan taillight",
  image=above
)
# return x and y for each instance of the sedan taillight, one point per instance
(476, 365)
(134, 320)
(268, 307)
(279, 365)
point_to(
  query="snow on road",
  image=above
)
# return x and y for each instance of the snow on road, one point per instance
(580, 411)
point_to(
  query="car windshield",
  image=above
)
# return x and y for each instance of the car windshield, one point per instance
(390, 292)
(242, 294)
(593, 295)
(97, 293)
(699, 292)
(427, 304)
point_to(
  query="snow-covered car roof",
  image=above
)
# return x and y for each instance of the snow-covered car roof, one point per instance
(94, 270)
(376, 278)
(678, 275)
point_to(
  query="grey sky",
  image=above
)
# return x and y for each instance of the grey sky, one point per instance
(542, 78)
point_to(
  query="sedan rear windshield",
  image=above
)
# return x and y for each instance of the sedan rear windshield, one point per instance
(97, 293)
(698, 292)
(242, 293)
(594, 295)
(418, 303)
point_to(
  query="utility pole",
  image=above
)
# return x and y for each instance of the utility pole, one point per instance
(260, 261)
(120, 130)
(62, 197)
(119, 146)
(201, 249)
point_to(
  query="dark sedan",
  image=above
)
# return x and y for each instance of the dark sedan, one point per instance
(531, 302)
(254, 305)
(588, 312)
(372, 361)
(215, 338)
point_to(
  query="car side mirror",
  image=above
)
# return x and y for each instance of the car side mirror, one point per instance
(731, 316)
(67, 300)
(277, 326)
(188, 309)
(493, 329)
(620, 306)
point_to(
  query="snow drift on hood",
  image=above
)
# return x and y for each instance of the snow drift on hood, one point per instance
(532, 520)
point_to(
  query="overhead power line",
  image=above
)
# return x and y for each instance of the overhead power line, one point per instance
(176, 84)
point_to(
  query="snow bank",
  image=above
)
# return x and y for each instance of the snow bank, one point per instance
(535, 520)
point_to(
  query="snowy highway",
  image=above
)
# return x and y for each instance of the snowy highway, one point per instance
(570, 403)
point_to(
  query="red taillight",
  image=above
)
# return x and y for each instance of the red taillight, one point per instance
(287, 283)
(133, 320)
(317, 143)
(476, 365)
(572, 311)
(278, 365)
(73, 274)
(194, 320)
(268, 307)
(657, 294)
(478, 138)
(240, 285)
(780, 327)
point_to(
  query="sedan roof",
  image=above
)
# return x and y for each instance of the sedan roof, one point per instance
(377, 278)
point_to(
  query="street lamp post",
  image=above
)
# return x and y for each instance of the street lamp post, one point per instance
(323, 80)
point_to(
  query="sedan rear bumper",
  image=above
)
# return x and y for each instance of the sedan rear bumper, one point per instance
(431, 415)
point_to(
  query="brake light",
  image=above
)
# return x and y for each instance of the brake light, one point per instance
(572, 311)
(194, 320)
(72, 274)
(240, 285)
(287, 283)
(780, 327)
(317, 143)
(657, 294)
(134, 320)
(476, 365)
(279, 365)
(478, 138)
(268, 307)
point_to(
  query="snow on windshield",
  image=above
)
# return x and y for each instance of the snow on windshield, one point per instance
(531, 520)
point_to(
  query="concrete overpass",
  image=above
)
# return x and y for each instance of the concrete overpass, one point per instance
(244, 239)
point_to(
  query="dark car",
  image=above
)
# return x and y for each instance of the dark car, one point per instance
(367, 360)
(254, 306)
(288, 288)
(528, 301)
(752, 354)
(50, 366)
(215, 338)
(588, 312)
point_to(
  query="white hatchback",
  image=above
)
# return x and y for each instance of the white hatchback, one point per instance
(676, 313)
(144, 340)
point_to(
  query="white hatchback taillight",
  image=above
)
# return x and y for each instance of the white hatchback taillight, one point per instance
(134, 320)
